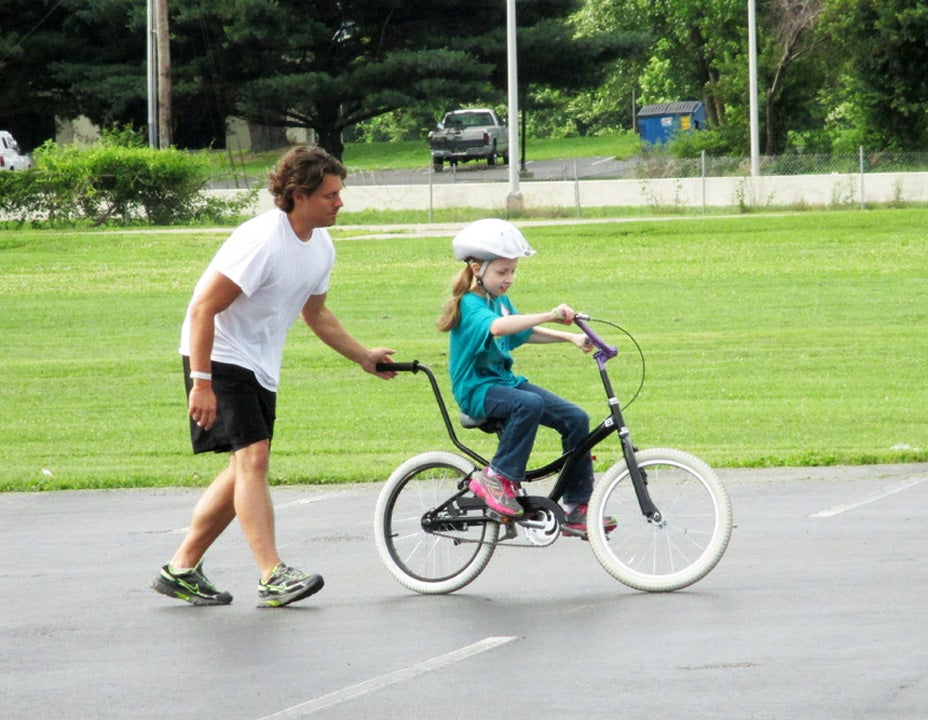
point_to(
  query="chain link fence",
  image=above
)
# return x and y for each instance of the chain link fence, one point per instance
(660, 165)
(655, 181)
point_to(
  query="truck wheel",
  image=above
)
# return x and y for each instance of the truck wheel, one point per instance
(437, 165)
(491, 158)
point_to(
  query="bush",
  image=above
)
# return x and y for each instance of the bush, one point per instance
(117, 179)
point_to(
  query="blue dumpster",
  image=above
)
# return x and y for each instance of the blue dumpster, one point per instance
(657, 123)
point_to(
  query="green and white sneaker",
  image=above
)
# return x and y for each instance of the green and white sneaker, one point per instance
(287, 585)
(191, 585)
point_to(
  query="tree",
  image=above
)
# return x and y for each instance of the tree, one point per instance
(692, 44)
(99, 65)
(330, 64)
(790, 40)
(885, 49)
(69, 58)
(358, 59)
(700, 50)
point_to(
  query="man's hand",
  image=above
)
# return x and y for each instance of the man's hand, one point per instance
(201, 406)
(378, 355)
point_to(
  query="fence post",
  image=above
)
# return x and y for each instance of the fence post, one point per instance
(702, 156)
(577, 188)
(431, 174)
(861, 163)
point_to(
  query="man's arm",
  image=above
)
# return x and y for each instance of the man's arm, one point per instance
(329, 329)
(216, 296)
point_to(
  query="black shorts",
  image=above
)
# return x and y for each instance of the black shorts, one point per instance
(245, 410)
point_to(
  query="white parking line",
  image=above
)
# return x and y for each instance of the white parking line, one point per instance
(284, 506)
(867, 499)
(326, 701)
(314, 499)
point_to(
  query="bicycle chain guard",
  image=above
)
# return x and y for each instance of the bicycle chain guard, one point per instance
(541, 523)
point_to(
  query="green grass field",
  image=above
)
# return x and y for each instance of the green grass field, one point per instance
(781, 340)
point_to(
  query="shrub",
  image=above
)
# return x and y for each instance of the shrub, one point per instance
(116, 179)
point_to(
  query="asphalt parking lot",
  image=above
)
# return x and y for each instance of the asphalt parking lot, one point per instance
(477, 172)
(817, 611)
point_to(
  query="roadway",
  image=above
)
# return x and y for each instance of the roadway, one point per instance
(816, 611)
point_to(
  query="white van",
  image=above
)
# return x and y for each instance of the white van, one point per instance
(10, 157)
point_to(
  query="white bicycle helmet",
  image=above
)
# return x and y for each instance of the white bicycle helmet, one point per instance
(489, 239)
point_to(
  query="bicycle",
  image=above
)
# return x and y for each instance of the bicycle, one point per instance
(674, 515)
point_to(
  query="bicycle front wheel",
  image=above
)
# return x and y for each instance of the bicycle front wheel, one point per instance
(429, 541)
(682, 546)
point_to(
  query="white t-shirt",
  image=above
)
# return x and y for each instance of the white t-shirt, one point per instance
(277, 273)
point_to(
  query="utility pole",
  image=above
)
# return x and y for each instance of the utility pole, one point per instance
(514, 199)
(151, 67)
(165, 113)
(752, 89)
(159, 76)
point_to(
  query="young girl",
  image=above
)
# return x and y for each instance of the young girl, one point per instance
(485, 328)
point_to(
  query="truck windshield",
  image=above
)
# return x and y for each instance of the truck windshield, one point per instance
(479, 119)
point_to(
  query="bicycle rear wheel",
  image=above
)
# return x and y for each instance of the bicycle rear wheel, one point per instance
(440, 554)
(687, 542)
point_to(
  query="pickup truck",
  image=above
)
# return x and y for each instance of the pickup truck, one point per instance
(465, 135)
(10, 156)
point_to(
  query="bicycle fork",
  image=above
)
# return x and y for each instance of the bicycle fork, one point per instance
(637, 475)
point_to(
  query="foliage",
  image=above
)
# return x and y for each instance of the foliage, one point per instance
(693, 144)
(700, 53)
(118, 179)
(360, 61)
(62, 60)
(832, 74)
(887, 49)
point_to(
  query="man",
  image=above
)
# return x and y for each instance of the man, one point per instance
(272, 269)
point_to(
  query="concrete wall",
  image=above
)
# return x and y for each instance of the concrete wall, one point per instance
(242, 136)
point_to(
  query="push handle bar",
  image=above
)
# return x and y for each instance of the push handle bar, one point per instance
(398, 367)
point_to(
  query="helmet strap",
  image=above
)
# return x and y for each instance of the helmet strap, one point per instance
(479, 278)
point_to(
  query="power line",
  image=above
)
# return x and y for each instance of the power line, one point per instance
(35, 27)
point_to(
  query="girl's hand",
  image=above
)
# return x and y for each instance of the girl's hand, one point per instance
(562, 314)
(582, 342)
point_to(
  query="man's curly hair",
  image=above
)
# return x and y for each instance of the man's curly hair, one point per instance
(302, 169)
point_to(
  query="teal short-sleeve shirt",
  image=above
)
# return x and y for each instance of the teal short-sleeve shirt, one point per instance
(477, 359)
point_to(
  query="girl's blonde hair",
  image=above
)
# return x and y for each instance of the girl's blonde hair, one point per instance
(451, 312)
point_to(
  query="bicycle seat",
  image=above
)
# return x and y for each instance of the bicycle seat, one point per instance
(488, 425)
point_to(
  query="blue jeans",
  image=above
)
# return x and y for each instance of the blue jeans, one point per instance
(524, 408)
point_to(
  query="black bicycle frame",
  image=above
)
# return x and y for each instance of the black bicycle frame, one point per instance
(614, 423)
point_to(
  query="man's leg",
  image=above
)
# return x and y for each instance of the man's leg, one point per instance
(211, 516)
(183, 577)
(253, 505)
(280, 584)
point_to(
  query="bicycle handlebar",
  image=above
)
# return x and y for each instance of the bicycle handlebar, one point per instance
(606, 352)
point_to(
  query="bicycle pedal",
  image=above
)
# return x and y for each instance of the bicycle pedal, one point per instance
(497, 517)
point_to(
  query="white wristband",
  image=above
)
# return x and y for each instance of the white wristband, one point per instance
(197, 375)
